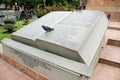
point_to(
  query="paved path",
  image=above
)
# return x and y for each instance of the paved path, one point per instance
(106, 72)
(109, 66)
(8, 72)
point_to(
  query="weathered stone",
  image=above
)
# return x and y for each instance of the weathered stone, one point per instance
(71, 31)
(29, 33)
(46, 63)
(68, 51)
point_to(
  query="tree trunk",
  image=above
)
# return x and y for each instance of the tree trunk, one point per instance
(44, 2)
(10, 30)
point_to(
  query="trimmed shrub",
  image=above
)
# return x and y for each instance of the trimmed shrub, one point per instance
(25, 22)
(9, 27)
(41, 12)
(9, 21)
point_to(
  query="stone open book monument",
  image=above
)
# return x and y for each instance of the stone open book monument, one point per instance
(66, 53)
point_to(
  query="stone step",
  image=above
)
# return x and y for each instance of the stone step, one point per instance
(110, 55)
(106, 72)
(114, 26)
(113, 37)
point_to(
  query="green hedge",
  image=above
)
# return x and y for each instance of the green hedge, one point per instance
(9, 21)
(9, 25)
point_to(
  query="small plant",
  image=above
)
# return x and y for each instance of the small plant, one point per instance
(9, 25)
(41, 12)
(25, 22)
(9, 21)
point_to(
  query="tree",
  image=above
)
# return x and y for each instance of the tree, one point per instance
(44, 2)
(1, 1)
(8, 2)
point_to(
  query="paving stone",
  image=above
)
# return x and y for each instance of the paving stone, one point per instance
(111, 53)
(113, 34)
(8, 72)
(106, 72)
(114, 26)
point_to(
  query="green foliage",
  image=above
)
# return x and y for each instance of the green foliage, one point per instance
(25, 22)
(64, 3)
(19, 25)
(34, 3)
(9, 21)
(75, 3)
(40, 12)
(1, 1)
(17, 18)
(4, 33)
(9, 25)
(49, 2)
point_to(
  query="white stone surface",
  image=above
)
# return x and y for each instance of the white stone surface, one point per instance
(93, 42)
(77, 35)
(29, 33)
(46, 63)
(72, 31)
(70, 34)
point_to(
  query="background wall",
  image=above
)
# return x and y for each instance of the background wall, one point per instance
(104, 5)
(104, 2)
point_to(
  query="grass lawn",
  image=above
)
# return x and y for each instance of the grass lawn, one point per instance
(4, 34)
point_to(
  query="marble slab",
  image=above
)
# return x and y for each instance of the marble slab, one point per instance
(72, 32)
(29, 33)
(46, 63)
(76, 35)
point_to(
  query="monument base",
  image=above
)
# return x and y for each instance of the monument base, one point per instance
(25, 69)
(48, 64)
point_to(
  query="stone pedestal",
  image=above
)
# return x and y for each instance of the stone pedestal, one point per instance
(71, 31)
